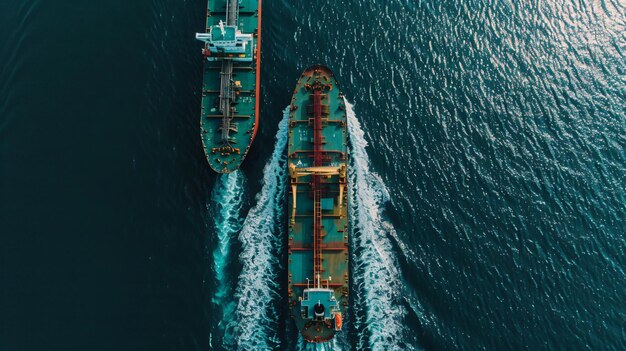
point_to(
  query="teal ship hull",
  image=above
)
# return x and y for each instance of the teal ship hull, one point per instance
(318, 206)
(231, 81)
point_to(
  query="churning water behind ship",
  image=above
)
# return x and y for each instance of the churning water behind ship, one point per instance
(261, 238)
(225, 210)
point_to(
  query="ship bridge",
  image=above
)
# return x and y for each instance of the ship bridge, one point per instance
(319, 304)
(228, 42)
(225, 40)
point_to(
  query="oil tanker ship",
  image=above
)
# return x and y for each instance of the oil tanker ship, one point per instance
(230, 88)
(317, 202)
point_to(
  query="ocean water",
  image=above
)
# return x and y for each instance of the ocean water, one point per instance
(487, 181)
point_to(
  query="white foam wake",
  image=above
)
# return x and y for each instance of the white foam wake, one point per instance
(333, 345)
(378, 313)
(262, 241)
(227, 199)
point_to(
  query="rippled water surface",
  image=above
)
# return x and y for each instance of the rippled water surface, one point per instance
(488, 177)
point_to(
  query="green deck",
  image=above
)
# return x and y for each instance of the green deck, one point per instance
(334, 221)
(226, 157)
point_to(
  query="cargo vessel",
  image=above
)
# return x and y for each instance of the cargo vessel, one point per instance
(318, 206)
(231, 81)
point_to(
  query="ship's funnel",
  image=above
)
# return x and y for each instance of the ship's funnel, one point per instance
(319, 310)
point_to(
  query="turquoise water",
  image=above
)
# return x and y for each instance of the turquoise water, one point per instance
(488, 177)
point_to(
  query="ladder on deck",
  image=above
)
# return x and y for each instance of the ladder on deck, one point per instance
(317, 189)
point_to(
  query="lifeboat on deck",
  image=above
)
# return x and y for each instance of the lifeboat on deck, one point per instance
(338, 321)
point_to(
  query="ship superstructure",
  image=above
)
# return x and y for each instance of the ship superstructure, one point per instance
(317, 205)
(230, 89)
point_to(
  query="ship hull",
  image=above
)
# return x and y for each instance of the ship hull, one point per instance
(318, 205)
(227, 156)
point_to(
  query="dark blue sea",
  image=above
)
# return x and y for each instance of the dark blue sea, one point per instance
(487, 182)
